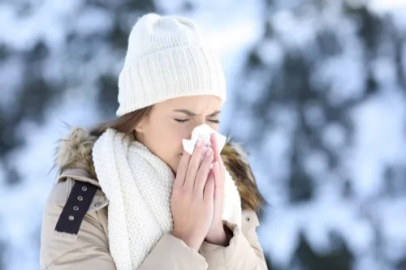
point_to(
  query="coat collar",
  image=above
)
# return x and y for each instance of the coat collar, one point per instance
(74, 159)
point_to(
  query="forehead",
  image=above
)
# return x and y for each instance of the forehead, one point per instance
(193, 103)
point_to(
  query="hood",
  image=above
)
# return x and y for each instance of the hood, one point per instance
(75, 152)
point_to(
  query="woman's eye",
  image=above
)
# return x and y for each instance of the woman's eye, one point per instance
(185, 120)
(181, 120)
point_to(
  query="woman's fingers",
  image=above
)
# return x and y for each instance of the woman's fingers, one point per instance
(188, 169)
(217, 151)
(203, 172)
(182, 170)
(213, 140)
(208, 195)
(193, 213)
(218, 179)
(193, 165)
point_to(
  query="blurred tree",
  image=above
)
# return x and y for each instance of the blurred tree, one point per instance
(339, 258)
(35, 92)
(293, 93)
(32, 96)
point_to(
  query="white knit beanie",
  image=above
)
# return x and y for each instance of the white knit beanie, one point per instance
(167, 58)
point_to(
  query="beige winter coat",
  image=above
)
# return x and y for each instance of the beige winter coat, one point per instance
(89, 248)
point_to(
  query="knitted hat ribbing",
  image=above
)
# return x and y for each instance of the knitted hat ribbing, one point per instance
(167, 58)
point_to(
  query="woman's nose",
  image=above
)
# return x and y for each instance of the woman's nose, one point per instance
(192, 127)
(199, 121)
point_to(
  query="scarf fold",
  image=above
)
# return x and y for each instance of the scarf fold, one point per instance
(138, 185)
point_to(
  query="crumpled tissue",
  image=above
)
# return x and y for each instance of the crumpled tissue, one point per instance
(203, 131)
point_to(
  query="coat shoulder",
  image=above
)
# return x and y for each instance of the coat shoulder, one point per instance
(74, 223)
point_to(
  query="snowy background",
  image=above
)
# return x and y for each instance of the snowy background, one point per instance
(317, 96)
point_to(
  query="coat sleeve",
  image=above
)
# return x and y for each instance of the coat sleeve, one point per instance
(243, 252)
(89, 248)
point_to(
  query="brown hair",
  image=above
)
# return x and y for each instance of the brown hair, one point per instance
(125, 124)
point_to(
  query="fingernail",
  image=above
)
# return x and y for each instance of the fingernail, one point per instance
(216, 165)
(199, 142)
(208, 152)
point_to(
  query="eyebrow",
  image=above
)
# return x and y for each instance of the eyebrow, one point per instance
(190, 113)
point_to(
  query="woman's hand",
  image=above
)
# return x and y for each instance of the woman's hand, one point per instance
(216, 234)
(193, 197)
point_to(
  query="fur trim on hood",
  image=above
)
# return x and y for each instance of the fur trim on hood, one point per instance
(75, 152)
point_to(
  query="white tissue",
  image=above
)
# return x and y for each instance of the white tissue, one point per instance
(203, 131)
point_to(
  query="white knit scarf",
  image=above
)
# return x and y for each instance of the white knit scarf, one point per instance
(138, 185)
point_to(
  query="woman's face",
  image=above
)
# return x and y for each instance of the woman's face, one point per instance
(172, 120)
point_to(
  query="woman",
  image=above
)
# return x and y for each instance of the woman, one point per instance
(128, 196)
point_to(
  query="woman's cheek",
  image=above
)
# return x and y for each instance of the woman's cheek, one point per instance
(176, 164)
